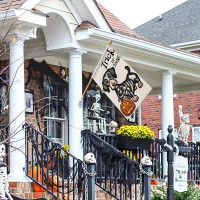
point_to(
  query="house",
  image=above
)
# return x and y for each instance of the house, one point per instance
(49, 48)
(177, 28)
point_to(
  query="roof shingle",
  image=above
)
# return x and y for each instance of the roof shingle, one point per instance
(116, 25)
(178, 25)
(10, 4)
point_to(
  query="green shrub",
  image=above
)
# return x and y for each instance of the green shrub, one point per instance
(161, 194)
(192, 193)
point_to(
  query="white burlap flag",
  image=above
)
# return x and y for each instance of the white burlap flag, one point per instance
(125, 88)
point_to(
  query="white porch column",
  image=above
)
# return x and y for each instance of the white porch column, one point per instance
(140, 115)
(167, 108)
(75, 104)
(17, 111)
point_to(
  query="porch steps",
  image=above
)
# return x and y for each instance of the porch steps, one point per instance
(24, 190)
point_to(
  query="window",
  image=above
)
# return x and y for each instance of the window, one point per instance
(54, 118)
(196, 134)
(175, 133)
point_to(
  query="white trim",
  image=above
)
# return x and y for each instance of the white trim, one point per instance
(129, 41)
(29, 4)
(97, 14)
(142, 52)
(74, 11)
(160, 136)
(55, 118)
(193, 133)
(10, 14)
(28, 17)
(184, 45)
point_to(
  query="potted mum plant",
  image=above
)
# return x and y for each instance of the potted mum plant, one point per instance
(130, 137)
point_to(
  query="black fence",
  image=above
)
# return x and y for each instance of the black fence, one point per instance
(156, 155)
(55, 170)
(194, 163)
(117, 174)
(52, 168)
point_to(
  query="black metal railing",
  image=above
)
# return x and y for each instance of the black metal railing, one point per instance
(194, 163)
(51, 167)
(156, 155)
(61, 174)
(117, 174)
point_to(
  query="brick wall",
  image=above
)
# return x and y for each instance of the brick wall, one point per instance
(25, 191)
(35, 85)
(152, 110)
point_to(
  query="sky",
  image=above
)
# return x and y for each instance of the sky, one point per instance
(137, 12)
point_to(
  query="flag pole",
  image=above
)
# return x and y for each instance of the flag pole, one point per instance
(87, 86)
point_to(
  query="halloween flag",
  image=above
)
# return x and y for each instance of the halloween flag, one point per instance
(124, 87)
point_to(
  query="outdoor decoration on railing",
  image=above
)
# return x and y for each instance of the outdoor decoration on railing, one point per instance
(96, 116)
(3, 174)
(4, 185)
(4, 93)
(184, 128)
(144, 169)
(133, 137)
(112, 158)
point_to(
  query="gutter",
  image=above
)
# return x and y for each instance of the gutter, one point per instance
(9, 14)
(190, 46)
(134, 43)
(186, 44)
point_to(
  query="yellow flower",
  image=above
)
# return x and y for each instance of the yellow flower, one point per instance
(66, 147)
(136, 131)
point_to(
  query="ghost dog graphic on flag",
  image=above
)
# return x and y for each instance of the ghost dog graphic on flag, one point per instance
(125, 88)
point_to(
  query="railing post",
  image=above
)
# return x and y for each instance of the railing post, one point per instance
(145, 169)
(170, 160)
(89, 174)
(147, 191)
(91, 181)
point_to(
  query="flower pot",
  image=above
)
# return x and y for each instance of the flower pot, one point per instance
(127, 143)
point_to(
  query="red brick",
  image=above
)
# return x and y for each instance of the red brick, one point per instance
(37, 195)
(13, 184)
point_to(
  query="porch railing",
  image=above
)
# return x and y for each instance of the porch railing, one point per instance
(61, 174)
(51, 167)
(156, 155)
(117, 174)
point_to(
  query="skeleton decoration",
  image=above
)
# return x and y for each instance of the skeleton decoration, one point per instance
(3, 98)
(96, 115)
(125, 88)
(184, 128)
(4, 92)
(96, 106)
(3, 174)
(146, 161)
(89, 158)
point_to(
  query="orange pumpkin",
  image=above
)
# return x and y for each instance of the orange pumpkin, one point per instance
(154, 182)
(127, 107)
(35, 172)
